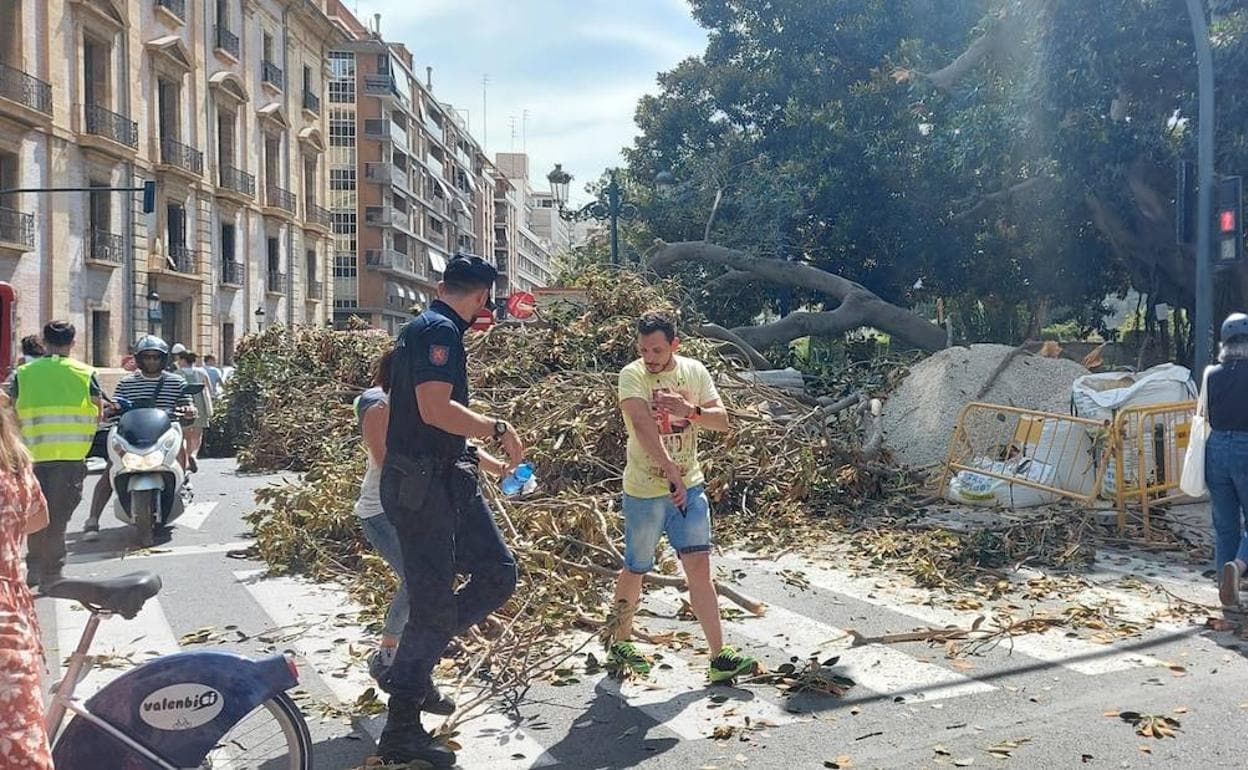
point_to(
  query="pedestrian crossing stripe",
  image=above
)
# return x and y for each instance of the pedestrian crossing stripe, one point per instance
(1051, 646)
(884, 670)
(333, 643)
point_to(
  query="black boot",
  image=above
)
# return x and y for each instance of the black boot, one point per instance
(436, 702)
(404, 739)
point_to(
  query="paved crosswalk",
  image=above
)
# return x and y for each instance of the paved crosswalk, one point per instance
(323, 631)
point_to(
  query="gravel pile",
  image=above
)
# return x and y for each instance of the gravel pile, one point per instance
(920, 415)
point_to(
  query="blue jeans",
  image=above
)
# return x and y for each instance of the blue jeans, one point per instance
(1226, 474)
(445, 529)
(385, 538)
(647, 518)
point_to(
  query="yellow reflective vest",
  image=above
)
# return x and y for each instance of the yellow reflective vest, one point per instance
(54, 405)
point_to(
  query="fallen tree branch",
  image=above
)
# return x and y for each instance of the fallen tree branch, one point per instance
(1001, 367)
(752, 606)
(858, 307)
(717, 332)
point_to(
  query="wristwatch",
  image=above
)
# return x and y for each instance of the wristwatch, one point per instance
(500, 428)
(696, 414)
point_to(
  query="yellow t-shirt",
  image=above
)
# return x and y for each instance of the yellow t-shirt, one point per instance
(689, 378)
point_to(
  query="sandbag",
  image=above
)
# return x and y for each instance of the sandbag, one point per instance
(1102, 396)
(1061, 458)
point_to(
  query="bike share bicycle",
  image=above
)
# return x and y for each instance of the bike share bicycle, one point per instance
(206, 709)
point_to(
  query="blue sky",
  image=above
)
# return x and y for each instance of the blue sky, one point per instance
(577, 66)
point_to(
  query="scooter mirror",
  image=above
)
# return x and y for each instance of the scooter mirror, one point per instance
(193, 388)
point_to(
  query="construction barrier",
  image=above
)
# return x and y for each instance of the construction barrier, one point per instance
(1017, 458)
(1149, 444)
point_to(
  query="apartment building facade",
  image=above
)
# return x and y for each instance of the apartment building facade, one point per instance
(409, 186)
(219, 102)
(527, 252)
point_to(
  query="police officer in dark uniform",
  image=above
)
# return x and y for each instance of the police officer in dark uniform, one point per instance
(430, 492)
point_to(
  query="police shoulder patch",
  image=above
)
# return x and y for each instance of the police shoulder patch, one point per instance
(439, 355)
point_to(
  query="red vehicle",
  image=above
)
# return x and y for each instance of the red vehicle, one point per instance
(8, 332)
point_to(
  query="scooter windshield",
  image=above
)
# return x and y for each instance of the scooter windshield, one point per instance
(143, 427)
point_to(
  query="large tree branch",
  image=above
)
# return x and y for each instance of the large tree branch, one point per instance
(974, 206)
(858, 305)
(980, 49)
(717, 332)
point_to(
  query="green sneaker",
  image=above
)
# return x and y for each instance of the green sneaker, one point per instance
(730, 664)
(624, 658)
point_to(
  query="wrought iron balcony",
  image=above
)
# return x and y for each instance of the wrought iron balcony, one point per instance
(237, 181)
(272, 74)
(107, 247)
(174, 153)
(276, 282)
(183, 259)
(311, 102)
(232, 272)
(24, 89)
(278, 198)
(318, 215)
(110, 125)
(17, 227)
(227, 41)
(176, 7)
(316, 289)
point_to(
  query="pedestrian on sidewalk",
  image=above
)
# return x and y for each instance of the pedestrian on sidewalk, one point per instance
(666, 400)
(1226, 456)
(431, 494)
(32, 349)
(214, 374)
(372, 411)
(192, 372)
(23, 511)
(57, 400)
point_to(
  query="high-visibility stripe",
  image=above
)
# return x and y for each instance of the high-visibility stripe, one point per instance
(49, 419)
(65, 450)
(78, 429)
(54, 438)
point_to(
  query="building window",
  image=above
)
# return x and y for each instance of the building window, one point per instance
(341, 128)
(342, 64)
(310, 268)
(344, 222)
(227, 344)
(341, 91)
(345, 265)
(274, 254)
(342, 178)
(99, 337)
(227, 243)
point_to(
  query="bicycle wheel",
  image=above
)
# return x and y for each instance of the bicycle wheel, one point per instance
(273, 736)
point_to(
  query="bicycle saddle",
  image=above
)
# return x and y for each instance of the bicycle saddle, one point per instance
(123, 595)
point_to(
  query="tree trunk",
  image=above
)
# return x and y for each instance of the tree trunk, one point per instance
(858, 305)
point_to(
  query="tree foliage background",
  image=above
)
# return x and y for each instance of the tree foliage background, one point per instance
(1013, 157)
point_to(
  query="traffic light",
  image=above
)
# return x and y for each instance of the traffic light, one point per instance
(149, 197)
(1228, 226)
(1185, 204)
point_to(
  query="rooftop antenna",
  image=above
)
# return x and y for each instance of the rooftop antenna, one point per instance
(511, 121)
(524, 132)
(485, 126)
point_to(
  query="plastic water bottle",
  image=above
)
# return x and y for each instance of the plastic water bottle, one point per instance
(519, 480)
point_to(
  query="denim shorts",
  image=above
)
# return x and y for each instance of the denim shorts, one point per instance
(647, 518)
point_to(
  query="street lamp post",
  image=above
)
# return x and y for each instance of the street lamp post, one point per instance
(153, 311)
(260, 318)
(612, 210)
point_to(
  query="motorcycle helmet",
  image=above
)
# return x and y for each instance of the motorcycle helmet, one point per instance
(1235, 325)
(149, 343)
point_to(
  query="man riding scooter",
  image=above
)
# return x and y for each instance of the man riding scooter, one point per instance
(151, 385)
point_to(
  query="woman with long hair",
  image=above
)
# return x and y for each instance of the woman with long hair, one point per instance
(23, 739)
(1226, 456)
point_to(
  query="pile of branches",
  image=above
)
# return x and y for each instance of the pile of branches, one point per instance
(788, 467)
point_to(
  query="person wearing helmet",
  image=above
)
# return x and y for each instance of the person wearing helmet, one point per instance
(151, 385)
(1226, 455)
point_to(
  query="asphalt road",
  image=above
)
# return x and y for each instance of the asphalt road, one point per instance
(1042, 703)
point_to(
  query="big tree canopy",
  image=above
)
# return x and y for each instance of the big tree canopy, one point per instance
(1015, 151)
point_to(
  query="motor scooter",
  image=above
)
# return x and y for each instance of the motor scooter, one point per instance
(147, 474)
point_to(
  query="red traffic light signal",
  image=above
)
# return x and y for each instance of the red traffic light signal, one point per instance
(1226, 221)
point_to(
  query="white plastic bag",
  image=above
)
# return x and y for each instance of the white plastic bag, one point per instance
(1192, 482)
(1102, 396)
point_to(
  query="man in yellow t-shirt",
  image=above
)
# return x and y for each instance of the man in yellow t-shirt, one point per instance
(666, 399)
